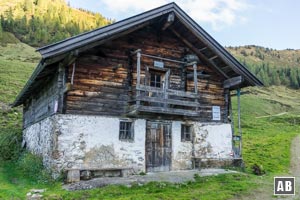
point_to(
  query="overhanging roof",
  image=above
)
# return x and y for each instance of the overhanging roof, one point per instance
(74, 45)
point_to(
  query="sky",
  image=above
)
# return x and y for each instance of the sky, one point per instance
(269, 23)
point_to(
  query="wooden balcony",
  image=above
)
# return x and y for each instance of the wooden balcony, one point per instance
(161, 99)
(165, 101)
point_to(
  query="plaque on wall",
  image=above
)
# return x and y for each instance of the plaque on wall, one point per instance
(216, 113)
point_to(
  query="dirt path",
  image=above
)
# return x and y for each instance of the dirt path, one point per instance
(295, 164)
(265, 191)
(276, 115)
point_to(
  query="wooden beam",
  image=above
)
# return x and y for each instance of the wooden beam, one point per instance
(166, 87)
(212, 58)
(200, 54)
(202, 49)
(195, 78)
(238, 91)
(168, 101)
(171, 111)
(138, 80)
(170, 91)
(199, 74)
(232, 82)
(169, 21)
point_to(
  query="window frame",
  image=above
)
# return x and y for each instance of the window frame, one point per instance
(184, 132)
(126, 131)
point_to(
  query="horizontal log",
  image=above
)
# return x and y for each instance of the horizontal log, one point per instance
(162, 110)
(167, 101)
(233, 82)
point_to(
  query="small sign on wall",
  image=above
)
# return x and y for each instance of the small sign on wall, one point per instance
(216, 113)
(158, 64)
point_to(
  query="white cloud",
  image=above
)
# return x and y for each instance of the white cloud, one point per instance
(217, 13)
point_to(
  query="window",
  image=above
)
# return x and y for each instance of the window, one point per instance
(186, 132)
(155, 80)
(126, 131)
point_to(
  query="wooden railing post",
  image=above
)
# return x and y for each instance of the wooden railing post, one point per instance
(239, 118)
(166, 87)
(195, 81)
(138, 73)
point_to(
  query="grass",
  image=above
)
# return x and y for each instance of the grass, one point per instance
(17, 61)
(266, 142)
(213, 187)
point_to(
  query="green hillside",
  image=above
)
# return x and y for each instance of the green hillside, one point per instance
(273, 67)
(40, 22)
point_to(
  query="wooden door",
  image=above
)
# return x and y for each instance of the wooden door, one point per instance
(158, 146)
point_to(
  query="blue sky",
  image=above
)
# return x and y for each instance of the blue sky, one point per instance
(269, 23)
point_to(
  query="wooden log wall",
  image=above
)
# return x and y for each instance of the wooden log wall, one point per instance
(105, 77)
(42, 103)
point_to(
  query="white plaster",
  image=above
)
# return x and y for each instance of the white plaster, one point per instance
(94, 133)
(91, 141)
(181, 151)
(38, 138)
(211, 141)
(219, 137)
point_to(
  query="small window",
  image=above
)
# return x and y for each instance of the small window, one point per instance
(186, 132)
(155, 80)
(126, 131)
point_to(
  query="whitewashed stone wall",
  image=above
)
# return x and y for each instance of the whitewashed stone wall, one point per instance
(94, 141)
(39, 139)
(71, 141)
(211, 141)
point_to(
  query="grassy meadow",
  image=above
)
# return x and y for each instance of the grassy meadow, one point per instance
(270, 120)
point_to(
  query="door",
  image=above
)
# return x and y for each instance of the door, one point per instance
(158, 146)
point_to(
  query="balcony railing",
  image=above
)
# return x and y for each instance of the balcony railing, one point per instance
(165, 101)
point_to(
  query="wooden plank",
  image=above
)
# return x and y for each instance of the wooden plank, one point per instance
(171, 111)
(169, 21)
(168, 101)
(169, 91)
(138, 81)
(233, 82)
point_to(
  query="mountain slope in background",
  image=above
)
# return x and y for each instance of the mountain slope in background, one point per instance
(40, 22)
(273, 67)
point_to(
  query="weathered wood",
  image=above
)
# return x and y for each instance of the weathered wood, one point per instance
(168, 101)
(158, 146)
(169, 21)
(200, 54)
(170, 91)
(171, 111)
(233, 82)
(195, 78)
(104, 82)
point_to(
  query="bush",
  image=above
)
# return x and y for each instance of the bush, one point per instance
(32, 167)
(10, 143)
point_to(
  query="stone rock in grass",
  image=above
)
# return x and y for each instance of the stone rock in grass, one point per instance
(37, 190)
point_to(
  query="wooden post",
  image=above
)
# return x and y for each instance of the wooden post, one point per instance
(60, 87)
(195, 81)
(226, 112)
(166, 87)
(239, 118)
(195, 77)
(138, 72)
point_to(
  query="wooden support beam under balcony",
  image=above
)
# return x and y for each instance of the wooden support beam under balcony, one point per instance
(162, 110)
(168, 101)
